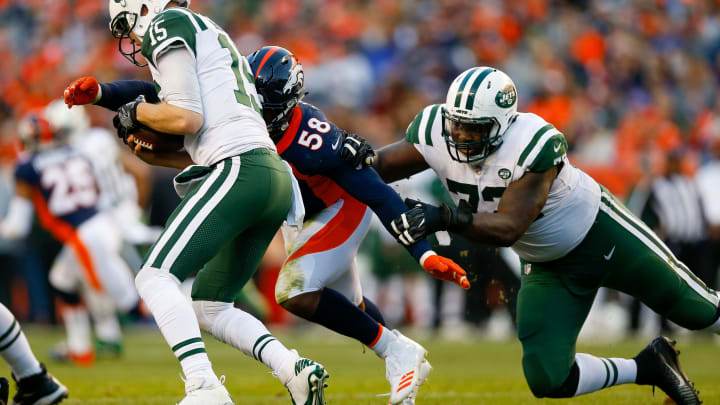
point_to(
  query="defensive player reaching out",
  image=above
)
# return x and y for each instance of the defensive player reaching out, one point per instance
(510, 177)
(319, 281)
(242, 194)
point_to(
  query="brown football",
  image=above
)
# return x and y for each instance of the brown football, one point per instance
(158, 141)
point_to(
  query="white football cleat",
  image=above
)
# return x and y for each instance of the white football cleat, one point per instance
(198, 394)
(304, 380)
(406, 369)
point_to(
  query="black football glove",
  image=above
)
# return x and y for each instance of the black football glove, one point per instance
(125, 121)
(357, 151)
(424, 219)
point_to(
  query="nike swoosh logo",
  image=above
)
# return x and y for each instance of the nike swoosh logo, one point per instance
(609, 255)
(557, 147)
(336, 144)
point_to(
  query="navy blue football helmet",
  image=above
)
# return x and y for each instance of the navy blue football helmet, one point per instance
(280, 82)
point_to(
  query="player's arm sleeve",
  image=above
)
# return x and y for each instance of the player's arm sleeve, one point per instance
(179, 81)
(174, 28)
(116, 94)
(18, 221)
(547, 149)
(367, 187)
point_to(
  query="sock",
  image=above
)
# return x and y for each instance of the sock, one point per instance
(15, 348)
(77, 328)
(597, 373)
(242, 331)
(380, 344)
(102, 311)
(338, 314)
(374, 312)
(176, 319)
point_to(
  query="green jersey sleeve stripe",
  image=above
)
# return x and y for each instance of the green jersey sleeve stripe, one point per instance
(533, 142)
(475, 86)
(411, 134)
(462, 86)
(550, 155)
(429, 125)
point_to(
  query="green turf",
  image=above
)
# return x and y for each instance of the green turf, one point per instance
(467, 373)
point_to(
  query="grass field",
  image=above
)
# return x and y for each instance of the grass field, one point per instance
(477, 372)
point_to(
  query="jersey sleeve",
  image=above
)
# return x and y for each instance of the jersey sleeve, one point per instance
(419, 132)
(366, 186)
(547, 148)
(170, 29)
(115, 94)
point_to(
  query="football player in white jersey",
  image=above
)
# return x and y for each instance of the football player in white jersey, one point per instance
(236, 194)
(513, 185)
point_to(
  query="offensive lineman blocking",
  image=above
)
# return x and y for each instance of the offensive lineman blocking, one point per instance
(509, 174)
(208, 96)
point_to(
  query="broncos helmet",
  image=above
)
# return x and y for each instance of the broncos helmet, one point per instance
(35, 132)
(481, 100)
(280, 83)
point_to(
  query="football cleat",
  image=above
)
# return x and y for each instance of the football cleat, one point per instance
(406, 369)
(4, 390)
(305, 380)
(61, 354)
(200, 394)
(660, 357)
(39, 389)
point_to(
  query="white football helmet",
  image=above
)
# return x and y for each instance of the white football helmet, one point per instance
(65, 122)
(481, 100)
(134, 16)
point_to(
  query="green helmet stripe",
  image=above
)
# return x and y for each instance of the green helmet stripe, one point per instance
(462, 86)
(475, 86)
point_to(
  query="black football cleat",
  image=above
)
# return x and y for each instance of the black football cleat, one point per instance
(4, 390)
(39, 389)
(658, 366)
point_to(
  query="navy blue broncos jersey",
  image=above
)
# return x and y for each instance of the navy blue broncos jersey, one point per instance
(312, 145)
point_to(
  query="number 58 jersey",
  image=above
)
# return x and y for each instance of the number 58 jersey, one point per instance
(64, 187)
(530, 144)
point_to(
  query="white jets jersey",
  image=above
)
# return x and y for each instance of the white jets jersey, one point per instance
(116, 185)
(530, 144)
(231, 106)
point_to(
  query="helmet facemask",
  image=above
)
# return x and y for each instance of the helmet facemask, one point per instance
(121, 26)
(485, 130)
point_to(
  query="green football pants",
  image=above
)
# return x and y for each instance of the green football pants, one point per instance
(619, 252)
(225, 224)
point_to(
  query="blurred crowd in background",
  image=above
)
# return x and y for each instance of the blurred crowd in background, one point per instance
(632, 85)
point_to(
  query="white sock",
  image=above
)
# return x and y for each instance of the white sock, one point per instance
(77, 328)
(15, 348)
(380, 345)
(243, 332)
(176, 319)
(597, 373)
(102, 310)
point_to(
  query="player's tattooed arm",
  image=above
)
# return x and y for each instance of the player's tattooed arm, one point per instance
(519, 207)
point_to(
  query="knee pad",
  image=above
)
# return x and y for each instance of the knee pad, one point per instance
(208, 311)
(151, 279)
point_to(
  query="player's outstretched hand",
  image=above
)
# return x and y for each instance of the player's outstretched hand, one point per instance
(423, 219)
(81, 91)
(357, 151)
(445, 269)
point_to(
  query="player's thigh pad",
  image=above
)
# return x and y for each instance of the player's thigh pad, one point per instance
(549, 318)
(644, 267)
(239, 192)
(253, 214)
(322, 253)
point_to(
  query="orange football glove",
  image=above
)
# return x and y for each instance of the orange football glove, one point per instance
(81, 91)
(445, 269)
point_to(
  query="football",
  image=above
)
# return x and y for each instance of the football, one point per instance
(158, 141)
